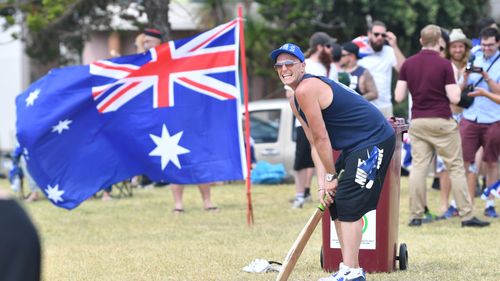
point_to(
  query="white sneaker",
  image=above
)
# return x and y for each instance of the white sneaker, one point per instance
(339, 275)
(257, 266)
(298, 203)
(357, 274)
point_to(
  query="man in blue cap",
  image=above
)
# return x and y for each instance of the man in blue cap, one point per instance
(335, 117)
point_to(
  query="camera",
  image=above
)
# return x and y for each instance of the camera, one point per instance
(470, 66)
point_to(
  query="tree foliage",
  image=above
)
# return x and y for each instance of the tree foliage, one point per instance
(296, 20)
(52, 25)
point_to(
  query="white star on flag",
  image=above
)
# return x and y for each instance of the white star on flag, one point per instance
(54, 193)
(32, 97)
(26, 154)
(62, 125)
(168, 148)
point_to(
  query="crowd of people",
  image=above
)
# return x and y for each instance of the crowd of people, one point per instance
(341, 95)
(366, 65)
(453, 85)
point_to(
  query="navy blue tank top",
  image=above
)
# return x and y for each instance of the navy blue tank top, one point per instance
(351, 121)
(355, 77)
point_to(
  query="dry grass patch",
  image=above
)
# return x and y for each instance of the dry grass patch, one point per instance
(139, 238)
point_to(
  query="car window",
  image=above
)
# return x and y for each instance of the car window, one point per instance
(265, 125)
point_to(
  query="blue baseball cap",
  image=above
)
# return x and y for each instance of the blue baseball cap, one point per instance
(288, 48)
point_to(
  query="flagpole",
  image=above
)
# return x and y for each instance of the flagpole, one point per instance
(247, 117)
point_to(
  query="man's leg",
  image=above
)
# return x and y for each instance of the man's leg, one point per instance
(206, 197)
(422, 152)
(445, 187)
(490, 157)
(471, 174)
(449, 147)
(307, 183)
(177, 192)
(338, 227)
(351, 233)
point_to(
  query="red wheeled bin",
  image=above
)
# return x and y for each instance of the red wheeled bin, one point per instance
(379, 245)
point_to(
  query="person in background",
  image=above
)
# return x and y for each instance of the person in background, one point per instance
(380, 64)
(178, 190)
(481, 24)
(139, 43)
(152, 38)
(457, 52)
(480, 125)
(318, 62)
(430, 80)
(360, 79)
(20, 174)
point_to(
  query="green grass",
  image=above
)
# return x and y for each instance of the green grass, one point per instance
(139, 238)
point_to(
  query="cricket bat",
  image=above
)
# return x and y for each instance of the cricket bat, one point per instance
(300, 243)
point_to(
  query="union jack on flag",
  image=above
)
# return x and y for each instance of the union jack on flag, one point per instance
(187, 62)
(171, 113)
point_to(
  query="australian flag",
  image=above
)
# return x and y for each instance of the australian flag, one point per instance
(171, 113)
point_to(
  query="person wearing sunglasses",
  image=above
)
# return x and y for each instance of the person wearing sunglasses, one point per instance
(360, 79)
(319, 55)
(335, 117)
(386, 56)
(318, 62)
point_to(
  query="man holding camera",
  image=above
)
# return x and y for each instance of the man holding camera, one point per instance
(431, 82)
(480, 125)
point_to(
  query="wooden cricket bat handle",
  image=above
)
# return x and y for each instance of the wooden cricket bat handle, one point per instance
(300, 243)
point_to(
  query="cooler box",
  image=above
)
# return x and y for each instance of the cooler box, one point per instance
(379, 245)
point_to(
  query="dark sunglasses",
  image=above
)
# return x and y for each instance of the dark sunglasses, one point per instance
(377, 34)
(441, 48)
(287, 64)
(328, 46)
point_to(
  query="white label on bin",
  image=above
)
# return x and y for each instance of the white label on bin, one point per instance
(368, 241)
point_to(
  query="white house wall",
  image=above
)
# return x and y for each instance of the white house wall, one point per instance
(11, 71)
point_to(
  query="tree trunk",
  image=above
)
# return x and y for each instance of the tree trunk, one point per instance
(157, 11)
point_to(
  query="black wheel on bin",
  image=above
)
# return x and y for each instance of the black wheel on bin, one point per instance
(403, 256)
(321, 257)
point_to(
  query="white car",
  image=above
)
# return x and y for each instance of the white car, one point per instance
(272, 126)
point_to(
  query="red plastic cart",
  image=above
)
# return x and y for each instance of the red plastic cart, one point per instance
(379, 246)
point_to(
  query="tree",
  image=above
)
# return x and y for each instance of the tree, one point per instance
(296, 20)
(52, 25)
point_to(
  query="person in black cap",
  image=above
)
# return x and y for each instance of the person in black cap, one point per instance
(360, 79)
(152, 38)
(335, 117)
(319, 55)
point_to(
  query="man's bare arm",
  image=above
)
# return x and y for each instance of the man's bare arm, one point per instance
(453, 93)
(401, 91)
(369, 89)
(309, 94)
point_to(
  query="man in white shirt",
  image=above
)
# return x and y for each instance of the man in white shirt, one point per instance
(319, 55)
(381, 62)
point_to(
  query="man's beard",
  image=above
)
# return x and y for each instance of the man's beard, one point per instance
(325, 59)
(375, 47)
(459, 57)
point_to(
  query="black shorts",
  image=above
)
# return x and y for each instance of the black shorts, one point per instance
(361, 181)
(303, 157)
